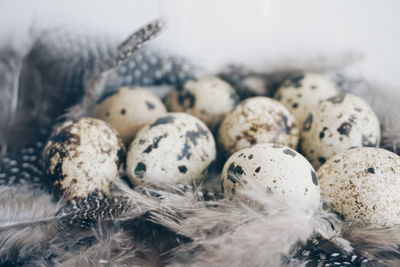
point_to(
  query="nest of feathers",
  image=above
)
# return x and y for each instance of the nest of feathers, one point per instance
(160, 224)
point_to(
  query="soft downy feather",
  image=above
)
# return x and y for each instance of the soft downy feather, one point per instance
(382, 245)
(255, 229)
(35, 229)
(103, 244)
(26, 220)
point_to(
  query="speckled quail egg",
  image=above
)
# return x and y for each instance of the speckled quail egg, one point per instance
(128, 110)
(301, 94)
(258, 120)
(277, 168)
(337, 124)
(363, 185)
(83, 157)
(208, 99)
(176, 148)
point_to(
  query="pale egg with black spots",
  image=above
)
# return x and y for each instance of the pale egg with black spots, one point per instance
(302, 93)
(337, 124)
(83, 157)
(128, 110)
(363, 185)
(278, 169)
(208, 99)
(258, 120)
(176, 148)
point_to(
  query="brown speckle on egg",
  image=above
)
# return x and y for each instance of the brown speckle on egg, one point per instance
(83, 157)
(362, 185)
(308, 122)
(257, 120)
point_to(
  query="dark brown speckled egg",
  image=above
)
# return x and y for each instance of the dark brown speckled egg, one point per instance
(258, 120)
(83, 157)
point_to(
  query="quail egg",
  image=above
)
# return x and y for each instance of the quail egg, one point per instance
(301, 94)
(176, 148)
(83, 157)
(277, 168)
(258, 120)
(129, 109)
(337, 124)
(363, 185)
(208, 99)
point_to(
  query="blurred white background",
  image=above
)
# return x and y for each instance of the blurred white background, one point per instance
(253, 32)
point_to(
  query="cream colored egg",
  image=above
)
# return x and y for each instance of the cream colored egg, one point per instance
(279, 169)
(337, 124)
(363, 185)
(301, 94)
(129, 109)
(258, 120)
(208, 99)
(83, 157)
(176, 148)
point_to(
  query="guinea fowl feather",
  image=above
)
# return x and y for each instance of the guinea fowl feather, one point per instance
(95, 82)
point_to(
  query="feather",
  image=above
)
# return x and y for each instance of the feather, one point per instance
(59, 66)
(382, 245)
(95, 83)
(35, 228)
(11, 63)
(22, 165)
(132, 44)
(103, 244)
(254, 230)
(26, 220)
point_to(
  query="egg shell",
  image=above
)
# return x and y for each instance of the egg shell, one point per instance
(363, 185)
(258, 120)
(337, 124)
(129, 109)
(83, 157)
(277, 168)
(208, 99)
(302, 93)
(176, 148)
